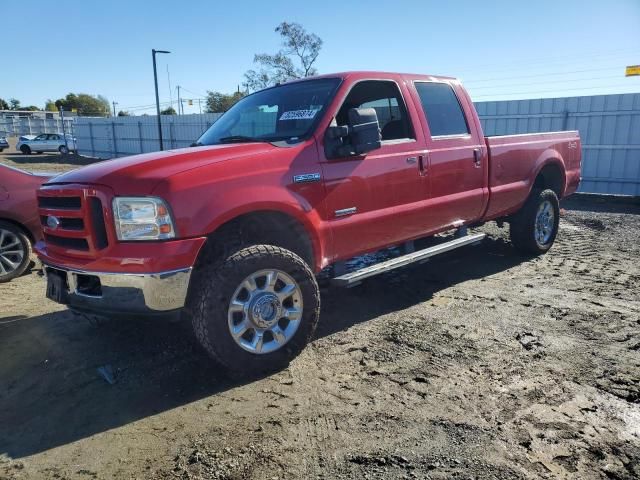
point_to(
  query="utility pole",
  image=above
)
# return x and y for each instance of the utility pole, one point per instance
(170, 90)
(179, 102)
(155, 81)
(64, 132)
(200, 105)
(114, 108)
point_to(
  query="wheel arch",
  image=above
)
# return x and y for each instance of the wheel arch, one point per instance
(24, 229)
(550, 173)
(267, 224)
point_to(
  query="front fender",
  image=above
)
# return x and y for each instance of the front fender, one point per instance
(203, 211)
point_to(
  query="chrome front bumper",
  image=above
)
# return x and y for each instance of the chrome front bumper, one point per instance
(124, 292)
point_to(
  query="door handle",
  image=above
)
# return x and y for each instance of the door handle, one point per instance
(477, 157)
(412, 160)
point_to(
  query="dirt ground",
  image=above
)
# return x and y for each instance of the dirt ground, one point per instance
(481, 364)
(44, 162)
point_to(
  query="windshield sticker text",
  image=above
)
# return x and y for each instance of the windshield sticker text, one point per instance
(298, 115)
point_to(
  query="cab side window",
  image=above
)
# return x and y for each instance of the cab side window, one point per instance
(442, 109)
(384, 97)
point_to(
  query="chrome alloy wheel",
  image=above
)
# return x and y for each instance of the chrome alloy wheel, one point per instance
(265, 311)
(545, 223)
(11, 252)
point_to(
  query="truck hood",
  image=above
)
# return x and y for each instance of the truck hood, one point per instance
(140, 174)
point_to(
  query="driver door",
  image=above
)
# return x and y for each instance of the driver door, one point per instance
(376, 199)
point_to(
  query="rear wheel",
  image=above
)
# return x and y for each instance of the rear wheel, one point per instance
(534, 228)
(25, 149)
(15, 251)
(254, 311)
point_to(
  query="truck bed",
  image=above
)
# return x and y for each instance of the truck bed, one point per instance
(515, 160)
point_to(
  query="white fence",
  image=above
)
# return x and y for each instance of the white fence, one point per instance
(121, 136)
(17, 126)
(609, 127)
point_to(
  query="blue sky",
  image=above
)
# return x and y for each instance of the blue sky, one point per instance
(500, 49)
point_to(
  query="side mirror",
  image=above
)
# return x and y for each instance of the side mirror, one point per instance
(365, 130)
(360, 136)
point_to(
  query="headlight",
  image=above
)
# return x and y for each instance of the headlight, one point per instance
(142, 218)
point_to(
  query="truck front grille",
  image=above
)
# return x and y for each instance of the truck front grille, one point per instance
(72, 220)
(61, 203)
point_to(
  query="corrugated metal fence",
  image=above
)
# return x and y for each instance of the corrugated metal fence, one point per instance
(17, 126)
(609, 127)
(121, 136)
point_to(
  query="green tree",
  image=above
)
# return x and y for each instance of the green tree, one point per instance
(50, 106)
(30, 108)
(85, 104)
(123, 113)
(168, 111)
(14, 104)
(221, 102)
(3, 104)
(299, 52)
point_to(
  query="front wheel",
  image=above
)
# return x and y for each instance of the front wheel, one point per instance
(534, 228)
(63, 150)
(254, 311)
(25, 149)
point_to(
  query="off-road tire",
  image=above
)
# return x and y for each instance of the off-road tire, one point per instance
(25, 244)
(213, 285)
(523, 224)
(25, 149)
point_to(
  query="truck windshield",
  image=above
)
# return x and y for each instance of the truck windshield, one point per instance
(287, 112)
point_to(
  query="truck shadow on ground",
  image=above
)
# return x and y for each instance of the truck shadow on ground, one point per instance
(71, 159)
(51, 393)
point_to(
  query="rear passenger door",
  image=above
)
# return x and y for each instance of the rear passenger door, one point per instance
(456, 155)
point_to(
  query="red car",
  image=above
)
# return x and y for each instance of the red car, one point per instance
(289, 181)
(19, 219)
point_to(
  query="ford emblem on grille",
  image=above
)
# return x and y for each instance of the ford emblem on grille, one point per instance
(53, 222)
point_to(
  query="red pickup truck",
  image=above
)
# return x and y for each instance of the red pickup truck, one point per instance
(291, 180)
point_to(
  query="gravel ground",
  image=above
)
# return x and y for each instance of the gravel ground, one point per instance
(479, 364)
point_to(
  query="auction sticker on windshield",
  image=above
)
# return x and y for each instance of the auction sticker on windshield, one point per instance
(298, 115)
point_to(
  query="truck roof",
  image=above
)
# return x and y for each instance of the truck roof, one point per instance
(365, 74)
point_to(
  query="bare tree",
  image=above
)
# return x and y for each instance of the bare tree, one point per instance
(295, 60)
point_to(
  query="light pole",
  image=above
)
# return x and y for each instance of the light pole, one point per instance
(155, 80)
(114, 108)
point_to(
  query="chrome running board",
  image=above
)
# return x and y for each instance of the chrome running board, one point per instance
(352, 278)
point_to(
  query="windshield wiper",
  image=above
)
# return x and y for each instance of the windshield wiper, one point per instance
(240, 139)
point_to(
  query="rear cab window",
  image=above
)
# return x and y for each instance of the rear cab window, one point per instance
(442, 109)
